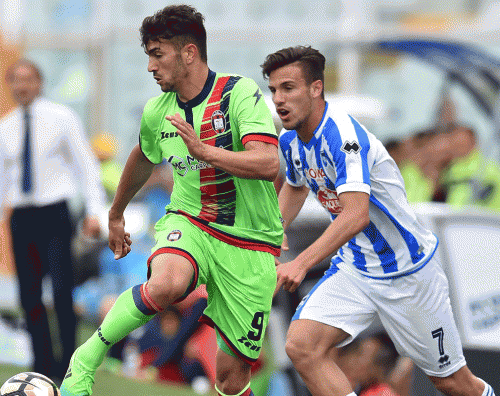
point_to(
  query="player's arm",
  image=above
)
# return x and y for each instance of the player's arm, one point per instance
(259, 160)
(136, 173)
(353, 219)
(291, 199)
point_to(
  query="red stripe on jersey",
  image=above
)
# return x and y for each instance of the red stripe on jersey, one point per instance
(259, 138)
(208, 176)
(232, 240)
(213, 104)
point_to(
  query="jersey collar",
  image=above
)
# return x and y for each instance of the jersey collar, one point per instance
(202, 95)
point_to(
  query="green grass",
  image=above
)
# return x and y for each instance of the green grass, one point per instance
(109, 384)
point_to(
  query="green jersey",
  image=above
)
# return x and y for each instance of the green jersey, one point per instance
(228, 112)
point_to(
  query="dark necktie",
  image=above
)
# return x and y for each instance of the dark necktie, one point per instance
(26, 165)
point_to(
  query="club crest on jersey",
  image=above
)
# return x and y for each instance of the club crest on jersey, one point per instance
(175, 235)
(218, 121)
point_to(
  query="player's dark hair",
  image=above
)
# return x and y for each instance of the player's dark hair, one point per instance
(311, 61)
(9, 74)
(180, 24)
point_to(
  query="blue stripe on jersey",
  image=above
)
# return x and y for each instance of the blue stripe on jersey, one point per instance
(408, 237)
(364, 142)
(285, 142)
(335, 143)
(313, 185)
(359, 258)
(382, 248)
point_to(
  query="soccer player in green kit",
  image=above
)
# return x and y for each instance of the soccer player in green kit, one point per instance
(223, 225)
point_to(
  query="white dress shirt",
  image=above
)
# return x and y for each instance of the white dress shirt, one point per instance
(62, 161)
(3, 181)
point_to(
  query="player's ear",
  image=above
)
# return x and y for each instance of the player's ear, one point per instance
(316, 88)
(189, 53)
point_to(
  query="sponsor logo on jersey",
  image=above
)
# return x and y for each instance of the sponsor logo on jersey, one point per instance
(218, 121)
(166, 135)
(330, 200)
(315, 173)
(184, 165)
(175, 235)
(245, 341)
(351, 147)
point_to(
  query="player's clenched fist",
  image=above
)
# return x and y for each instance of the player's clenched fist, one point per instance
(119, 240)
(290, 276)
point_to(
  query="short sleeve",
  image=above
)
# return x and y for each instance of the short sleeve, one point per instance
(346, 153)
(148, 136)
(294, 176)
(250, 112)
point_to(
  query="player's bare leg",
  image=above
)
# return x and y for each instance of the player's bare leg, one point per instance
(232, 375)
(461, 383)
(170, 277)
(309, 346)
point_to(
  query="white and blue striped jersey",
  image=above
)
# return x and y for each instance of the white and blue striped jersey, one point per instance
(343, 156)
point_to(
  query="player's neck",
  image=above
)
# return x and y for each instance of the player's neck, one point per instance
(311, 123)
(194, 82)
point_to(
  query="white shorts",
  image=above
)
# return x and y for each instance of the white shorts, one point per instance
(415, 310)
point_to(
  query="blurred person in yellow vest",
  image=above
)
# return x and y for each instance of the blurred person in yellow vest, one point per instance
(418, 187)
(105, 147)
(471, 178)
(421, 160)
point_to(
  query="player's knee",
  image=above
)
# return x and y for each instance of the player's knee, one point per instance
(165, 292)
(299, 351)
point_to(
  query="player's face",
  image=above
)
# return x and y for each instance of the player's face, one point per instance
(291, 95)
(25, 85)
(166, 65)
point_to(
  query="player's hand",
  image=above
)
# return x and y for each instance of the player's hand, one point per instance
(185, 130)
(290, 276)
(119, 240)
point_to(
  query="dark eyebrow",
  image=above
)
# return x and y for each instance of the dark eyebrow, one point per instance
(151, 50)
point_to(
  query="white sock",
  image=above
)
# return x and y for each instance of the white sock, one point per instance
(488, 390)
(351, 394)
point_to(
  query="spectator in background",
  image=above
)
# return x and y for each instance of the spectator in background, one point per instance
(47, 158)
(471, 178)
(370, 364)
(421, 159)
(164, 344)
(105, 147)
(409, 157)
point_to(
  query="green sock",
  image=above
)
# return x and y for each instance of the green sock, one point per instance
(127, 314)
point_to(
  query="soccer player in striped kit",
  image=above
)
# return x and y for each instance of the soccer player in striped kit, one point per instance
(385, 263)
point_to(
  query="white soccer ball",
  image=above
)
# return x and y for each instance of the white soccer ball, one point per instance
(29, 384)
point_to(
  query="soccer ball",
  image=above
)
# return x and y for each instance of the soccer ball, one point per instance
(29, 384)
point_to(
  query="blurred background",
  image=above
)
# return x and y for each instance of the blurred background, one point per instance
(401, 67)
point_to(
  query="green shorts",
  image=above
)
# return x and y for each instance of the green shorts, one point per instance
(240, 282)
